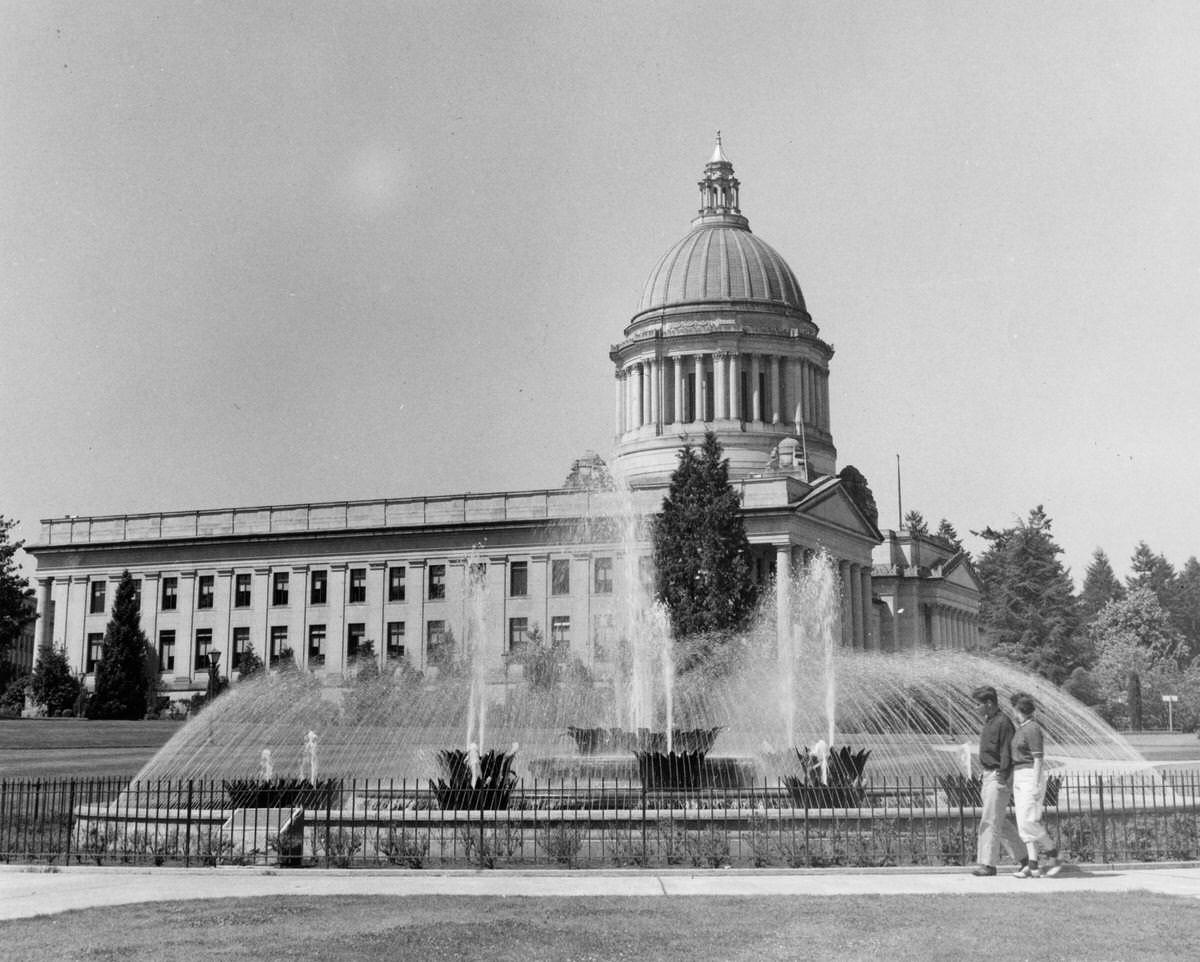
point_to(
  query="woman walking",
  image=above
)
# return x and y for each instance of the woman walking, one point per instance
(1029, 787)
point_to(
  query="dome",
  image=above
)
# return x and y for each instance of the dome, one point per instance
(720, 260)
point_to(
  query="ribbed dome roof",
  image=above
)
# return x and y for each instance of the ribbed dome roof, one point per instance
(720, 260)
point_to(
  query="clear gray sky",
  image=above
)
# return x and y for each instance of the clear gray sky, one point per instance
(285, 252)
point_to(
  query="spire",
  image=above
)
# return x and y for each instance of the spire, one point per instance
(719, 190)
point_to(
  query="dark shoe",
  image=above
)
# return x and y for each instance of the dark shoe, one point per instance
(983, 870)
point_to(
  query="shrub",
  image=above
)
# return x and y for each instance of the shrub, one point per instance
(401, 848)
(562, 844)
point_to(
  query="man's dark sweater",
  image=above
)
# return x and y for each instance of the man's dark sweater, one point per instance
(995, 744)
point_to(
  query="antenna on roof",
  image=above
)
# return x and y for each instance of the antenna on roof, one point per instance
(899, 497)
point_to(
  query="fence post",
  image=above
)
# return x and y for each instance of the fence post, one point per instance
(187, 829)
(1103, 826)
(645, 849)
(70, 820)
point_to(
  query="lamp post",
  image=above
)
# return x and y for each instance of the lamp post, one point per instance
(214, 679)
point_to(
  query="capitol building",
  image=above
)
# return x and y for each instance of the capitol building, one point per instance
(721, 341)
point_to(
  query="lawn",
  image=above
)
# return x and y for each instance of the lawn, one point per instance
(899, 927)
(62, 747)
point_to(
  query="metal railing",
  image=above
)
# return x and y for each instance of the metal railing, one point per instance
(1099, 817)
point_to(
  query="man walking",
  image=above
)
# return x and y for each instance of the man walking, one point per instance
(995, 758)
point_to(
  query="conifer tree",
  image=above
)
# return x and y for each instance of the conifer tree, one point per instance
(1147, 569)
(1100, 586)
(1028, 609)
(121, 690)
(1186, 611)
(15, 610)
(915, 522)
(52, 685)
(701, 553)
(947, 532)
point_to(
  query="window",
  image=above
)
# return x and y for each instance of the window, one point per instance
(603, 636)
(560, 631)
(95, 649)
(279, 588)
(204, 591)
(241, 645)
(137, 594)
(203, 647)
(604, 576)
(396, 583)
(518, 579)
(241, 591)
(170, 594)
(395, 640)
(518, 635)
(96, 603)
(358, 585)
(166, 650)
(437, 583)
(355, 633)
(316, 645)
(279, 642)
(646, 572)
(318, 588)
(560, 576)
(437, 647)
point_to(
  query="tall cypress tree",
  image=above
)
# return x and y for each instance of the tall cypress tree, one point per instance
(121, 672)
(1028, 609)
(15, 594)
(701, 553)
(1100, 586)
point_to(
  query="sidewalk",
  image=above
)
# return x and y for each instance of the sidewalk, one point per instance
(26, 892)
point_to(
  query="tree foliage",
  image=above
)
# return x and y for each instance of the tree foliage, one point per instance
(121, 689)
(52, 685)
(15, 594)
(915, 522)
(1134, 638)
(1028, 608)
(701, 553)
(855, 483)
(947, 532)
(249, 664)
(1100, 586)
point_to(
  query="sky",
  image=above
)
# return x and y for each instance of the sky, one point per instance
(276, 253)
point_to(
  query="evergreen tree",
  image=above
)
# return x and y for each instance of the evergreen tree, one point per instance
(860, 493)
(52, 684)
(915, 522)
(1028, 608)
(121, 690)
(1153, 571)
(1186, 608)
(1100, 586)
(16, 610)
(701, 553)
(249, 664)
(947, 532)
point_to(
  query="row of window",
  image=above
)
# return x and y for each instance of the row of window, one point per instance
(518, 585)
(437, 642)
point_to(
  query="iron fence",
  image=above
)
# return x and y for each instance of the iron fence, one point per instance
(1098, 817)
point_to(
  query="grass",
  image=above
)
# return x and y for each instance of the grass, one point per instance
(64, 747)
(894, 927)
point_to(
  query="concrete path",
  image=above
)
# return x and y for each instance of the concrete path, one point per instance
(25, 893)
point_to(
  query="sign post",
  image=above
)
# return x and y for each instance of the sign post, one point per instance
(1170, 700)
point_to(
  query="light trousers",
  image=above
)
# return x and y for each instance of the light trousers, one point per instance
(1027, 803)
(994, 824)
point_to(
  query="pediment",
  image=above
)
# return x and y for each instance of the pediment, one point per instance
(959, 571)
(829, 504)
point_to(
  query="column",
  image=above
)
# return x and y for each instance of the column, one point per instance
(773, 377)
(76, 616)
(721, 385)
(844, 593)
(825, 400)
(335, 623)
(619, 410)
(870, 642)
(45, 611)
(679, 399)
(223, 613)
(376, 628)
(698, 399)
(735, 386)
(149, 613)
(415, 633)
(755, 393)
(785, 639)
(653, 388)
(856, 612)
(185, 639)
(635, 374)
